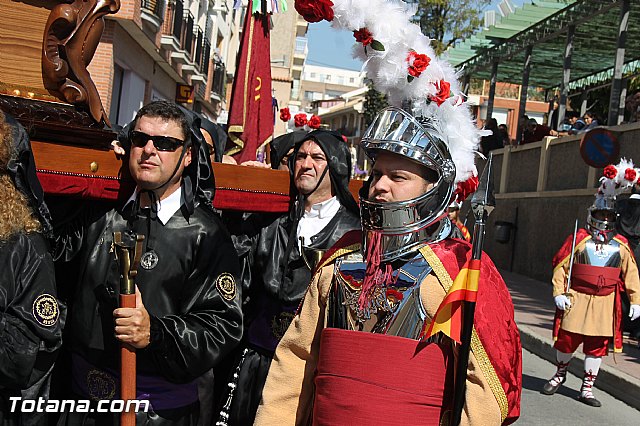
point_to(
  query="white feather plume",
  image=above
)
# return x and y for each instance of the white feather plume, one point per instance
(390, 24)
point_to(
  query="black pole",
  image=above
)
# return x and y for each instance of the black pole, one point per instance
(492, 89)
(469, 309)
(524, 89)
(466, 82)
(566, 76)
(616, 84)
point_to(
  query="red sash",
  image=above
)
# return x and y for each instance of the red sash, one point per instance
(594, 280)
(374, 379)
(597, 281)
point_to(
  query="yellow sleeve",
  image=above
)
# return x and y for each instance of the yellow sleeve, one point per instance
(559, 279)
(630, 275)
(287, 398)
(481, 406)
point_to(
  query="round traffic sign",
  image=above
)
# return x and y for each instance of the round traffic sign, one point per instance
(599, 147)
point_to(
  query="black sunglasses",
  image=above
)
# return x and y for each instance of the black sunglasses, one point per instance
(162, 143)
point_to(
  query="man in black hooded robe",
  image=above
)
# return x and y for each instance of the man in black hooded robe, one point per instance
(628, 224)
(275, 274)
(188, 313)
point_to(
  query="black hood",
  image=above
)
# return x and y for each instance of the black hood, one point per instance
(339, 162)
(218, 135)
(198, 181)
(22, 169)
(628, 223)
(283, 143)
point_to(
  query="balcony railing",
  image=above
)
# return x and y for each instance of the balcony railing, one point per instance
(202, 51)
(188, 39)
(154, 7)
(173, 20)
(219, 77)
(205, 56)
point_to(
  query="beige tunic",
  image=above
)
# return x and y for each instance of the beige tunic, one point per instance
(593, 315)
(288, 395)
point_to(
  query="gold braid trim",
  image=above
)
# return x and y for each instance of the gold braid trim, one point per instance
(339, 253)
(476, 345)
(579, 245)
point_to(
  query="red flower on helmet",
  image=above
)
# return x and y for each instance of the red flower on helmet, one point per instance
(444, 91)
(314, 122)
(285, 114)
(466, 188)
(418, 62)
(315, 10)
(610, 171)
(630, 174)
(300, 119)
(364, 36)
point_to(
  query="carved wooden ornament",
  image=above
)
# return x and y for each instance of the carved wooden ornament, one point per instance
(71, 37)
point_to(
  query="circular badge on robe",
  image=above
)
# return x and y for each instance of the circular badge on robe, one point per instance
(45, 310)
(149, 260)
(100, 385)
(226, 285)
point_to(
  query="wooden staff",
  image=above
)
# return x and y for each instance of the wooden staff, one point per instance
(128, 252)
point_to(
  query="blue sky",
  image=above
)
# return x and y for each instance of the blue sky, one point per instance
(332, 48)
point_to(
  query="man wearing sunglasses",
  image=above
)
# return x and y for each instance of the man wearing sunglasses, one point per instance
(187, 314)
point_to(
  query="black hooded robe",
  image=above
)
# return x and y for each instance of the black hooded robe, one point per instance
(271, 300)
(31, 315)
(191, 296)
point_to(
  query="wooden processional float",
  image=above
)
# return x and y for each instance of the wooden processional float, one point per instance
(45, 49)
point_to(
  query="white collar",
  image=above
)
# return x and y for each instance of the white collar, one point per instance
(166, 207)
(324, 209)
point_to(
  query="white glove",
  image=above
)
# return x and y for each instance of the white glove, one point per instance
(634, 312)
(563, 302)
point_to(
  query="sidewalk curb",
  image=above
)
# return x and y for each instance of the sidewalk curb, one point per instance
(616, 383)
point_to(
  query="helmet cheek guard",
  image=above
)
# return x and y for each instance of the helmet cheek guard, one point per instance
(403, 225)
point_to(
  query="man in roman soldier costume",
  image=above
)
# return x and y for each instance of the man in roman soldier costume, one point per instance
(355, 353)
(278, 258)
(590, 272)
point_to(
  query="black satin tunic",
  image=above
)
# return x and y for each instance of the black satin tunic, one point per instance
(31, 320)
(193, 323)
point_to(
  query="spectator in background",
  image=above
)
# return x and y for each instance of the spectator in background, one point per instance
(591, 121)
(522, 129)
(535, 132)
(576, 122)
(554, 116)
(492, 141)
(503, 132)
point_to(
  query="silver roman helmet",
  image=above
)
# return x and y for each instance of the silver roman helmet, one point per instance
(601, 216)
(406, 224)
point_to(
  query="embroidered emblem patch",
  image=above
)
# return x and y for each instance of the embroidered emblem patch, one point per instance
(280, 323)
(45, 310)
(226, 285)
(100, 385)
(149, 260)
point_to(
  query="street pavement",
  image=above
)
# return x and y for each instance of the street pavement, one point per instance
(534, 310)
(563, 409)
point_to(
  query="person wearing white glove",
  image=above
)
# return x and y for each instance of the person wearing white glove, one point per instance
(562, 302)
(585, 311)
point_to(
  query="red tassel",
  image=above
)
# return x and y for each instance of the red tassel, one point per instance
(374, 275)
